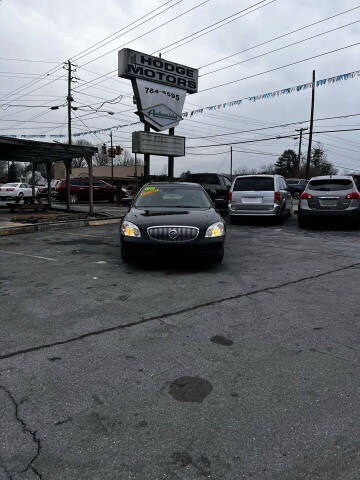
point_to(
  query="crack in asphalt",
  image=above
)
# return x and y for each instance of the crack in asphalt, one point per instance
(26, 430)
(174, 313)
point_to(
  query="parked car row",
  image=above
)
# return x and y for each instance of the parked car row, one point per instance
(181, 217)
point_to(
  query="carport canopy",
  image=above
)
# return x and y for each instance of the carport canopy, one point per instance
(19, 150)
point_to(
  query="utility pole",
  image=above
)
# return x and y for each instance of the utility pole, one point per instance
(171, 160)
(68, 162)
(69, 100)
(231, 163)
(300, 140)
(146, 158)
(311, 127)
(136, 175)
(112, 159)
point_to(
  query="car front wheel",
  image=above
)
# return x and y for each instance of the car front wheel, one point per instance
(218, 256)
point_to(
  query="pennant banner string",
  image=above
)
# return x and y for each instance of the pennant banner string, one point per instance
(233, 103)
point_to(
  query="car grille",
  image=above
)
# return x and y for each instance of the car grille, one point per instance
(173, 233)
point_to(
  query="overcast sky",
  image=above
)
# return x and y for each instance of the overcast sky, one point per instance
(53, 31)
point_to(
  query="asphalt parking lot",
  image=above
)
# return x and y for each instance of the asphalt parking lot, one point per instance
(244, 370)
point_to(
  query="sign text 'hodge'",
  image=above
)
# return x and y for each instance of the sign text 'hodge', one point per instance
(133, 64)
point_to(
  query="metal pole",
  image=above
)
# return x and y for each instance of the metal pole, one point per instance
(48, 171)
(68, 186)
(231, 162)
(33, 179)
(91, 186)
(136, 173)
(146, 158)
(69, 100)
(171, 160)
(311, 127)
(112, 159)
(299, 155)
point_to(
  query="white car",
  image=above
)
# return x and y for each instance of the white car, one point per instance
(16, 190)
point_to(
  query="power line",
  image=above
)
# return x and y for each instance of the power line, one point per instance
(26, 60)
(216, 24)
(279, 68)
(281, 36)
(276, 126)
(55, 69)
(270, 138)
(146, 33)
(79, 55)
(281, 48)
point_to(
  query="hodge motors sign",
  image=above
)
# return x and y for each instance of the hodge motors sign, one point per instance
(133, 65)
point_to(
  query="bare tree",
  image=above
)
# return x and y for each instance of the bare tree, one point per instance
(81, 162)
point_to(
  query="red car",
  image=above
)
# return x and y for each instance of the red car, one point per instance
(79, 190)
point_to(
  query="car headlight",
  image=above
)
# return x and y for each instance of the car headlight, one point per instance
(129, 229)
(215, 230)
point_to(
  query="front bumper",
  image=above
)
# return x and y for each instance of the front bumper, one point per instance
(197, 248)
(272, 212)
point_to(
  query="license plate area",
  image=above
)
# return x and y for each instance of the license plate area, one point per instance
(252, 200)
(328, 202)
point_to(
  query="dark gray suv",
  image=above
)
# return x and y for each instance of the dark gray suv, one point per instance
(329, 196)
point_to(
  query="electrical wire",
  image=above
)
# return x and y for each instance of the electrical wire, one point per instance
(281, 48)
(276, 126)
(216, 24)
(279, 68)
(281, 36)
(271, 138)
(146, 33)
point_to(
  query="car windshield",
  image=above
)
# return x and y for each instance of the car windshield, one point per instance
(168, 196)
(254, 183)
(331, 184)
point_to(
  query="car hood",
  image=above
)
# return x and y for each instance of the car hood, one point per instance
(197, 217)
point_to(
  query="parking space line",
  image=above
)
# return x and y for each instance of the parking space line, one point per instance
(26, 255)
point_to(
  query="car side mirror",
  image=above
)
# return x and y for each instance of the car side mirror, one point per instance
(127, 201)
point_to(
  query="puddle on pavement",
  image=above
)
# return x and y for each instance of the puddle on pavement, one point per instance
(190, 389)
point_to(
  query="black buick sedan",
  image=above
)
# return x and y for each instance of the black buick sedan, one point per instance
(172, 219)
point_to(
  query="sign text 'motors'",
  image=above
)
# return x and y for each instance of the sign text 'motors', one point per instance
(133, 64)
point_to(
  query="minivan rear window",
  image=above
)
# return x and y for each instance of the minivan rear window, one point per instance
(331, 185)
(254, 183)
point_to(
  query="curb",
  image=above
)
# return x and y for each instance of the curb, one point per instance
(46, 227)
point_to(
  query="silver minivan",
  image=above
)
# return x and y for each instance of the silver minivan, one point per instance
(329, 196)
(260, 195)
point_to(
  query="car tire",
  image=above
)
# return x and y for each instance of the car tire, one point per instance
(74, 199)
(296, 195)
(219, 255)
(301, 221)
(125, 255)
(20, 196)
(280, 219)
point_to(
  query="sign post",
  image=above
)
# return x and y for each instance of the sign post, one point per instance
(160, 87)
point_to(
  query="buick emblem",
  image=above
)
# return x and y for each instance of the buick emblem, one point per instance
(173, 234)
